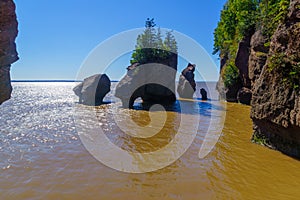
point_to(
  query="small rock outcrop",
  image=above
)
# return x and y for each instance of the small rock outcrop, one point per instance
(203, 94)
(187, 85)
(93, 89)
(276, 98)
(8, 52)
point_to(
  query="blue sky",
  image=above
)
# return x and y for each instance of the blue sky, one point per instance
(55, 36)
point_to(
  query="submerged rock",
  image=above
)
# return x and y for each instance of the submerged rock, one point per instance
(93, 89)
(8, 52)
(203, 94)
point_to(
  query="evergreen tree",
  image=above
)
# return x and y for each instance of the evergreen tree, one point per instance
(170, 43)
(151, 47)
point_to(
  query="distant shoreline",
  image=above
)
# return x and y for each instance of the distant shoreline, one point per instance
(47, 81)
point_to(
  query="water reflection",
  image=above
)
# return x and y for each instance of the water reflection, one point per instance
(41, 158)
(118, 135)
(164, 122)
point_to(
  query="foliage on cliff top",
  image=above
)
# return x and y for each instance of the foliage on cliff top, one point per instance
(239, 17)
(151, 47)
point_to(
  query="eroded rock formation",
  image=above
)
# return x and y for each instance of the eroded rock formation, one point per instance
(276, 101)
(8, 53)
(93, 89)
(153, 82)
(187, 85)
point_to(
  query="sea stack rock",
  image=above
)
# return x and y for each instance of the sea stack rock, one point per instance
(187, 85)
(153, 82)
(93, 89)
(276, 98)
(8, 52)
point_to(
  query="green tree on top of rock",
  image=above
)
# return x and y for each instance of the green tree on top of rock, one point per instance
(151, 47)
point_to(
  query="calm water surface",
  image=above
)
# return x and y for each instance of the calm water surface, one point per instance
(42, 156)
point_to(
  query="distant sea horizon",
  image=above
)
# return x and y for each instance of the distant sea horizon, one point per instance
(20, 81)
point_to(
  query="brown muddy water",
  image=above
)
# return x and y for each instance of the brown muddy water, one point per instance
(43, 157)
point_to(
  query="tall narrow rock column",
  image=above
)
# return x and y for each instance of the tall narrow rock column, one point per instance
(8, 52)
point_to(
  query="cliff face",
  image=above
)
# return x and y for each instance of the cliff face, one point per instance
(258, 56)
(240, 91)
(263, 68)
(8, 53)
(276, 102)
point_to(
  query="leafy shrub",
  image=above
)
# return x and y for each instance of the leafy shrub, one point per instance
(288, 67)
(230, 75)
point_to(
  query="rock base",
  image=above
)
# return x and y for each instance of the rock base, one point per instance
(5, 85)
(244, 96)
(286, 140)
